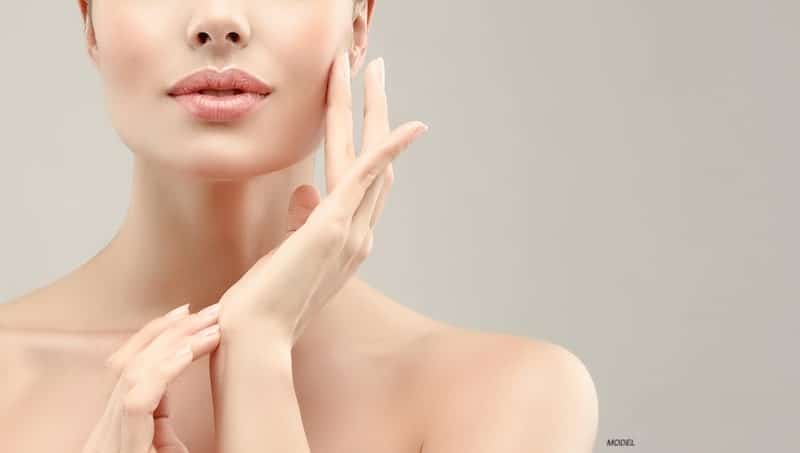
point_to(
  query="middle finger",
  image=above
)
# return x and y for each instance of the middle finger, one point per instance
(376, 128)
(376, 112)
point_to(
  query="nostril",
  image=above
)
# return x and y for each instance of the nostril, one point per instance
(204, 37)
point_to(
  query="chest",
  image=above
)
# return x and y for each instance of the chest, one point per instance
(343, 410)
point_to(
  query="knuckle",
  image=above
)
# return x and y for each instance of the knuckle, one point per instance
(353, 246)
(369, 176)
(131, 375)
(332, 234)
(365, 249)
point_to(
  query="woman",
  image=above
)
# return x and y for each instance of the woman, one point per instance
(300, 355)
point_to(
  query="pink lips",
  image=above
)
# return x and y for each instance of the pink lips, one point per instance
(250, 92)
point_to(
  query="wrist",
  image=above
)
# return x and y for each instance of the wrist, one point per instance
(256, 337)
(247, 327)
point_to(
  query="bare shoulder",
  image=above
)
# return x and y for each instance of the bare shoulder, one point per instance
(24, 311)
(487, 391)
(18, 375)
(33, 347)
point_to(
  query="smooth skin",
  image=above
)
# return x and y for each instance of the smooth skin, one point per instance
(137, 417)
(292, 282)
(265, 312)
(318, 369)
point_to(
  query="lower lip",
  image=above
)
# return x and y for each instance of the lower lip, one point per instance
(209, 107)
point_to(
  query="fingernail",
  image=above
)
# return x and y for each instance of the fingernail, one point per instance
(346, 66)
(178, 313)
(210, 330)
(419, 131)
(382, 69)
(211, 310)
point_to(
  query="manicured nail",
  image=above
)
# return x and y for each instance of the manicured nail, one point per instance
(210, 330)
(211, 310)
(178, 313)
(419, 131)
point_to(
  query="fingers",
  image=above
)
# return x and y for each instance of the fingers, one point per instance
(145, 335)
(148, 362)
(376, 126)
(149, 387)
(376, 129)
(339, 148)
(349, 194)
(165, 435)
(173, 337)
(360, 229)
(387, 178)
(140, 404)
(376, 111)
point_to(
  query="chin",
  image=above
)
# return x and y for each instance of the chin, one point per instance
(269, 140)
(219, 157)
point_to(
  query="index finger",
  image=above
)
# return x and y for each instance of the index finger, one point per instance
(339, 148)
(149, 332)
(348, 195)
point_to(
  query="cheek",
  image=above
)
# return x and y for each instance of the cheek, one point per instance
(127, 45)
(305, 40)
(293, 46)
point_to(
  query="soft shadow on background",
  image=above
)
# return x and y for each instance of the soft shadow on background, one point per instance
(616, 177)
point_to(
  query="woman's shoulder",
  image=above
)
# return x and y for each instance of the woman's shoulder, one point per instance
(20, 347)
(460, 349)
(33, 340)
(483, 378)
(39, 309)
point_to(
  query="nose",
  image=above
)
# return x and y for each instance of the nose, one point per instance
(219, 33)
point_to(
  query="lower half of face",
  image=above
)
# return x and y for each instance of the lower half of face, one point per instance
(144, 47)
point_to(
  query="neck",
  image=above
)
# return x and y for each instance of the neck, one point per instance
(187, 240)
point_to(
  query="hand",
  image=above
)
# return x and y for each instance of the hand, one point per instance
(137, 417)
(326, 240)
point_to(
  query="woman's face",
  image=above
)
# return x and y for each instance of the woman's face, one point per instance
(144, 46)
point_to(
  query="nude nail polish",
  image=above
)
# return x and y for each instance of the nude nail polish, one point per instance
(211, 310)
(178, 313)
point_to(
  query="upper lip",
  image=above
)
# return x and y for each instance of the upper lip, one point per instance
(209, 79)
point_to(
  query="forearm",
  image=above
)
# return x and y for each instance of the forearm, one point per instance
(255, 406)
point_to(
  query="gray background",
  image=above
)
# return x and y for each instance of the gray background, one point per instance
(617, 177)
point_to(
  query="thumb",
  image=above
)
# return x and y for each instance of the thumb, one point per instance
(164, 438)
(303, 201)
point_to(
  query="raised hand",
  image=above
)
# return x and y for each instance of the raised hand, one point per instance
(137, 416)
(327, 240)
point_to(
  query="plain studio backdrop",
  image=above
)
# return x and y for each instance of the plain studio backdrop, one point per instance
(617, 177)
